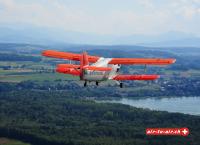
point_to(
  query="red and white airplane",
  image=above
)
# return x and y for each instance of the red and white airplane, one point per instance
(97, 69)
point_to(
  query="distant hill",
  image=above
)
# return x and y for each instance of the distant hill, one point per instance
(186, 42)
(52, 36)
(101, 50)
(40, 35)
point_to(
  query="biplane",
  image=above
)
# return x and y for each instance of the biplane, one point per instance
(97, 69)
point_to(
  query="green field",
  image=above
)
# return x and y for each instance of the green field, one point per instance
(36, 77)
(19, 71)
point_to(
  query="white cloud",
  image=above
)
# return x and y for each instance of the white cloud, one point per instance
(187, 9)
(153, 17)
(147, 3)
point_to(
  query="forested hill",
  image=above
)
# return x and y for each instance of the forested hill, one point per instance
(55, 118)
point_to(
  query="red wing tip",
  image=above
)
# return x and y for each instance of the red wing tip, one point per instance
(157, 76)
(152, 77)
(174, 60)
(44, 53)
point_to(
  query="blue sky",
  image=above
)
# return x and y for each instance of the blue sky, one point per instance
(115, 17)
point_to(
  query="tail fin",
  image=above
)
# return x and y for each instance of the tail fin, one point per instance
(84, 59)
(83, 62)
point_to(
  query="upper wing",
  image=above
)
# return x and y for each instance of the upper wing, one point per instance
(67, 55)
(126, 61)
(142, 61)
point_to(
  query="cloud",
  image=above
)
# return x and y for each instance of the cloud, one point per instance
(147, 3)
(187, 9)
(106, 16)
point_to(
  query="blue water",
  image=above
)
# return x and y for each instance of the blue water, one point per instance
(187, 105)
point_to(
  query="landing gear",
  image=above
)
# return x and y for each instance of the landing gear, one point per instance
(85, 84)
(121, 85)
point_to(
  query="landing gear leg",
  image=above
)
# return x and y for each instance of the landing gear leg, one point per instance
(85, 84)
(97, 83)
(121, 85)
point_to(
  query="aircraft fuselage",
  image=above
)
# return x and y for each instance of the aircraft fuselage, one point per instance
(90, 75)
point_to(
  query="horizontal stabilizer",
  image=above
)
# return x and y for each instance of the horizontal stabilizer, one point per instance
(71, 71)
(136, 77)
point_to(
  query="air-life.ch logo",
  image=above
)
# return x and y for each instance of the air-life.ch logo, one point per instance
(168, 131)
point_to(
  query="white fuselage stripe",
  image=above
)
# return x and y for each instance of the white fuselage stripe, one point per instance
(101, 75)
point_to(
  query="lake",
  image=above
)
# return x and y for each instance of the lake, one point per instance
(187, 105)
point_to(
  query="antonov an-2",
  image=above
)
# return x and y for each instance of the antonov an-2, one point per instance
(97, 69)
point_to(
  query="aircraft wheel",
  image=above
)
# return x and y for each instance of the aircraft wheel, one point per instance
(121, 85)
(85, 84)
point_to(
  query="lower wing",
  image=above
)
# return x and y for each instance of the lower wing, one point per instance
(136, 77)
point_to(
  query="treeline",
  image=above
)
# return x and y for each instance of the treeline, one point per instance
(43, 117)
(17, 57)
(163, 87)
(69, 87)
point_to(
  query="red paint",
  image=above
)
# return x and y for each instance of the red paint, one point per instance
(70, 71)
